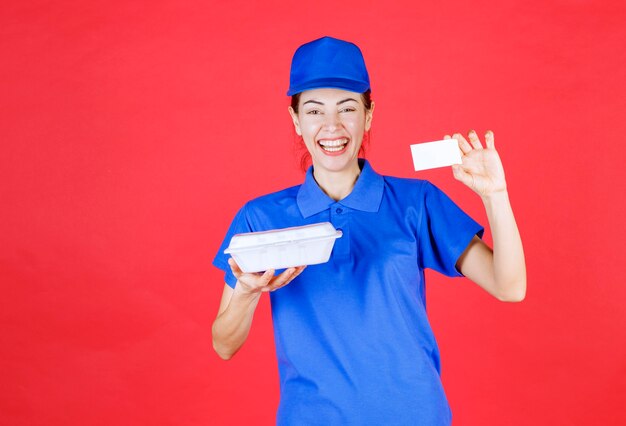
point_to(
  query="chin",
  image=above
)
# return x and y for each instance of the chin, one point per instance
(336, 164)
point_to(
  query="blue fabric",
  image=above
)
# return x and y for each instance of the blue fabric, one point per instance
(353, 341)
(328, 62)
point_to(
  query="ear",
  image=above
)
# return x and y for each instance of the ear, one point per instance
(294, 118)
(369, 115)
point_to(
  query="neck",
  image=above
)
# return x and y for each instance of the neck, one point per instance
(337, 184)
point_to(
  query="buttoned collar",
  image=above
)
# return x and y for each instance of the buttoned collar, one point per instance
(365, 196)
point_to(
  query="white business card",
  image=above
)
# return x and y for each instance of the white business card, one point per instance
(430, 155)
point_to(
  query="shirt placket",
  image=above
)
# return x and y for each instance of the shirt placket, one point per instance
(340, 218)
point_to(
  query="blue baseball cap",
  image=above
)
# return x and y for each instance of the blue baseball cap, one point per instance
(328, 62)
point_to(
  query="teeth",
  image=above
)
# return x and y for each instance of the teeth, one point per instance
(335, 143)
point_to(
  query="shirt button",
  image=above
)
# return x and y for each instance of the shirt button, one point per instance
(339, 210)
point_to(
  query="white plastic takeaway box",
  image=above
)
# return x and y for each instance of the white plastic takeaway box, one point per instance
(283, 248)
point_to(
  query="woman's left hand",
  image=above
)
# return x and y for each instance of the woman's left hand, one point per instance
(481, 169)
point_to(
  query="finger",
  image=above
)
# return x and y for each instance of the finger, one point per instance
(274, 287)
(267, 276)
(462, 175)
(446, 137)
(475, 160)
(292, 277)
(489, 139)
(281, 279)
(299, 270)
(463, 144)
(264, 279)
(473, 137)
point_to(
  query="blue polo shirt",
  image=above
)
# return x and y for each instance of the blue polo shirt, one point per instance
(353, 341)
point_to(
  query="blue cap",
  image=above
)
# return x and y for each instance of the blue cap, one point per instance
(328, 62)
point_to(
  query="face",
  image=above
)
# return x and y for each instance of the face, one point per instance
(332, 123)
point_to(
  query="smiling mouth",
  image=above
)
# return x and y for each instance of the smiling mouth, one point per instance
(335, 145)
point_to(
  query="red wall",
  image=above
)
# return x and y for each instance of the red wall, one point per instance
(132, 131)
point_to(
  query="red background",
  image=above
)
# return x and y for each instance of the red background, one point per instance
(132, 131)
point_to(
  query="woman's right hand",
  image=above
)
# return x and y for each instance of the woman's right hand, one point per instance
(257, 282)
(232, 324)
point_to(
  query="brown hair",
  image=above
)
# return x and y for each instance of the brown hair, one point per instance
(305, 157)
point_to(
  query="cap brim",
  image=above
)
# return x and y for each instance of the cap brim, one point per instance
(331, 83)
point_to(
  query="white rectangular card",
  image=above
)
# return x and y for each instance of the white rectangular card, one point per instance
(429, 155)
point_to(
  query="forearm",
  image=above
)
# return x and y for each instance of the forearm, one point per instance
(509, 266)
(231, 327)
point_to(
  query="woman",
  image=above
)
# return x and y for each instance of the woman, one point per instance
(352, 337)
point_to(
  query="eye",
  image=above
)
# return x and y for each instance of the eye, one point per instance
(348, 109)
(314, 112)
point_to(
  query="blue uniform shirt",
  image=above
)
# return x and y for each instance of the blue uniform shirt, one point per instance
(353, 341)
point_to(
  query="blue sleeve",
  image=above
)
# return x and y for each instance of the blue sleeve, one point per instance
(444, 232)
(239, 225)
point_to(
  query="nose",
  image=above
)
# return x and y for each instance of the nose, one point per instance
(332, 122)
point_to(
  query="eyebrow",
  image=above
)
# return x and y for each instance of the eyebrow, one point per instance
(312, 101)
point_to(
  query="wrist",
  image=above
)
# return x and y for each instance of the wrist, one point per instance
(495, 197)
